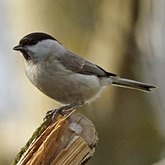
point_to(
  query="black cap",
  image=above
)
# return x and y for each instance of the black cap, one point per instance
(34, 38)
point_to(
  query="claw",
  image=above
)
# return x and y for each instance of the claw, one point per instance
(51, 114)
(62, 110)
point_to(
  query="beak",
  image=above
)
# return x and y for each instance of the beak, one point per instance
(18, 48)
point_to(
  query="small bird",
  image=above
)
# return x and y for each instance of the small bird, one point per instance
(63, 75)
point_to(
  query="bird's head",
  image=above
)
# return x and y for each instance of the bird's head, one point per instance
(37, 46)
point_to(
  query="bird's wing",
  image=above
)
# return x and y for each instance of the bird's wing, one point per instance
(77, 64)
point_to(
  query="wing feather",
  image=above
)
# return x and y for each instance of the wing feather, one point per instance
(77, 64)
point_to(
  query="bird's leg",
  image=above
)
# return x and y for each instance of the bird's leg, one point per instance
(62, 110)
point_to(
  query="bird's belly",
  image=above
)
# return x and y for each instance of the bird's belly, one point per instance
(69, 88)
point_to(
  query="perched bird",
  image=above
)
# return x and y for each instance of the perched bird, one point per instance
(63, 75)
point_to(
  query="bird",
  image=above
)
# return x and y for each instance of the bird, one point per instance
(65, 76)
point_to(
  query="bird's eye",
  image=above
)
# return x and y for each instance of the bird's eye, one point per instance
(34, 42)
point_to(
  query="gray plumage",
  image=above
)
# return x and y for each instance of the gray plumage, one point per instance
(65, 76)
(77, 64)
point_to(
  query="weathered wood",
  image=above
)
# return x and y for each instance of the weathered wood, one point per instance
(69, 140)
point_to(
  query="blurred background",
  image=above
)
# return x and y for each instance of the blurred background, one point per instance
(124, 37)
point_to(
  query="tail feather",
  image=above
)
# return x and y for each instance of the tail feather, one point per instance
(132, 84)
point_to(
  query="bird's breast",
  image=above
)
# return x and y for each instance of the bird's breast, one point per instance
(64, 86)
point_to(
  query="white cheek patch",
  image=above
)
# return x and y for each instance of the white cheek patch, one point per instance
(50, 45)
(44, 47)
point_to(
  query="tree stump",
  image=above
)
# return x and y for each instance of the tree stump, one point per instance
(68, 140)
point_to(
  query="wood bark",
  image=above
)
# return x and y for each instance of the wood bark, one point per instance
(69, 140)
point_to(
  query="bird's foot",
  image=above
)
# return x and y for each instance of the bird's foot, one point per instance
(62, 110)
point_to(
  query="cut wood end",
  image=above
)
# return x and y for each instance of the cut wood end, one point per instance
(69, 140)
